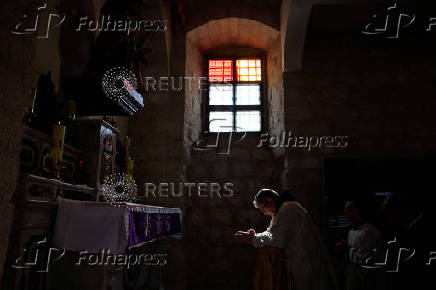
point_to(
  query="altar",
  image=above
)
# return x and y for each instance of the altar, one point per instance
(113, 241)
(66, 234)
(64, 243)
(96, 226)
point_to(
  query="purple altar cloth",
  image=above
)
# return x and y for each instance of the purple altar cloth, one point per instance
(145, 227)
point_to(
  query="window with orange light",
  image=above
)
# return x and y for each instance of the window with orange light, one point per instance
(234, 100)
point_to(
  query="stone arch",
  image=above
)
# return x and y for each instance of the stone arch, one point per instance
(233, 32)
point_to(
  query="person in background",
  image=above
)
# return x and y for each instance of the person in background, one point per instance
(292, 232)
(364, 246)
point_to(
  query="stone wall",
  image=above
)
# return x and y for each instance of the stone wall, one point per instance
(374, 93)
(275, 94)
(267, 12)
(214, 259)
(17, 59)
(154, 128)
(157, 131)
(377, 91)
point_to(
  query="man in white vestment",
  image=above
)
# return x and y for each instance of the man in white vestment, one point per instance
(365, 246)
(291, 229)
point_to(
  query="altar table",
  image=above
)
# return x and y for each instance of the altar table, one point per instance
(97, 226)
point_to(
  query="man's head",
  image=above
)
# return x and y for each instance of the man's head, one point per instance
(352, 212)
(357, 210)
(266, 200)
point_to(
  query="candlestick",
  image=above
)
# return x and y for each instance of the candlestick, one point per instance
(130, 164)
(33, 89)
(31, 100)
(57, 143)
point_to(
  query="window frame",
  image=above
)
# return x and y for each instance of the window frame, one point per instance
(235, 108)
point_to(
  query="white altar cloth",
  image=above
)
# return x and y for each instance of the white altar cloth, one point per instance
(90, 226)
(97, 226)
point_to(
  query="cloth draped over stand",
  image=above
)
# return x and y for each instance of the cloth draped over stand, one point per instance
(95, 226)
(149, 223)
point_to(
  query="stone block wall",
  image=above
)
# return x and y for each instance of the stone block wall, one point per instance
(275, 99)
(267, 12)
(378, 92)
(17, 59)
(214, 259)
(156, 130)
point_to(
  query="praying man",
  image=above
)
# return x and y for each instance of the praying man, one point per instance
(292, 254)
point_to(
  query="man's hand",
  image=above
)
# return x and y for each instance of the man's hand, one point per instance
(341, 246)
(245, 237)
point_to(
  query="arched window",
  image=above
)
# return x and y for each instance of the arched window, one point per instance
(235, 93)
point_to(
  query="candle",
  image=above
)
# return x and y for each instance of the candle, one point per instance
(57, 143)
(130, 167)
